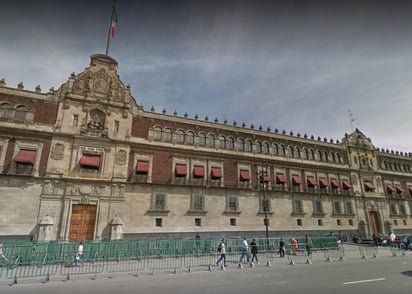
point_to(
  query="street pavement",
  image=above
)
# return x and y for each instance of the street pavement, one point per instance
(382, 273)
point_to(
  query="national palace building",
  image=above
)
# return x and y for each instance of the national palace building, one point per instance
(86, 162)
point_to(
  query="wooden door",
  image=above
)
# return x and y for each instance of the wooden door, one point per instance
(373, 220)
(82, 222)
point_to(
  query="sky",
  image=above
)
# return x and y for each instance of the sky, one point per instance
(319, 68)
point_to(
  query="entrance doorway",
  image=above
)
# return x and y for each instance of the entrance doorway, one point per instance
(82, 222)
(373, 220)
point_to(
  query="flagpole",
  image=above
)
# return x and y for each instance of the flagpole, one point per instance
(112, 20)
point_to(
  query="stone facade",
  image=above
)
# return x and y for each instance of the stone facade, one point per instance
(85, 162)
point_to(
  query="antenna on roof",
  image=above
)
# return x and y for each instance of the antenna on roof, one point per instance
(351, 119)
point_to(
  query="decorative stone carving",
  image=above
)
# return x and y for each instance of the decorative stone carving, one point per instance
(57, 151)
(85, 190)
(121, 157)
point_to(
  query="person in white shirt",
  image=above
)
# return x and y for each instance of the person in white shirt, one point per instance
(222, 251)
(245, 251)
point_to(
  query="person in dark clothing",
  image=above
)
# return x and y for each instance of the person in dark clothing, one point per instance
(281, 248)
(254, 251)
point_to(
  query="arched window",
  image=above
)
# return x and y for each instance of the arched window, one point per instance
(325, 156)
(320, 157)
(275, 149)
(282, 150)
(168, 135)
(230, 143)
(265, 147)
(180, 136)
(157, 133)
(248, 146)
(258, 147)
(333, 157)
(290, 152)
(305, 153)
(211, 141)
(311, 154)
(190, 137)
(21, 112)
(222, 142)
(338, 158)
(297, 152)
(202, 139)
(5, 111)
(240, 144)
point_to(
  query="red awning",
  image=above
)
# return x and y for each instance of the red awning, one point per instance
(399, 189)
(198, 171)
(216, 172)
(334, 183)
(311, 181)
(180, 170)
(323, 182)
(244, 175)
(280, 179)
(25, 156)
(389, 188)
(296, 180)
(346, 185)
(142, 166)
(90, 160)
(369, 186)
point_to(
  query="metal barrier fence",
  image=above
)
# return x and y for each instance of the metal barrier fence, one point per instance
(45, 259)
(368, 251)
(398, 249)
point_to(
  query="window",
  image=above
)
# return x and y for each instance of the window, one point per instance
(337, 207)
(142, 167)
(248, 146)
(244, 175)
(233, 222)
(394, 209)
(338, 222)
(230, 143)
(180, 136)
(5, 111)
(346, 185)
(325, 156)
(198, 171)
(265, 148)
(258, 147)
(265, 204)
(403, 209)
(157, 133)
(160, 201)
(291, 152)
(75, 120)
(222, 142)
(296, 181)
(158, 222)
(311, 154)
(282, 150)
(350, 222)
(280, 179)
(241, 145)
(297, 152)
(320, 222)
(275, 149)
(320, 156)
(299, 222)
(90, 162)
(319, 206)
(180, 170)
(298, 206)
(305, 153)
(190, 137)
(168, 135)
(25, 160)
(198, 202)
(349, 207)
(211, 141)
(116, 126)
(232, 204)
(198, 222)
(310, 181)
(369, 187)
(215, 173)
(21, 112)
(202, 139)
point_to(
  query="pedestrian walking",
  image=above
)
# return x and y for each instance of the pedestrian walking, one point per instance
(79, 255)
(281, 248)
(2, 256)
(295, 246)
(245, 251)
(221, 249)
(309, 244)
(254, 251)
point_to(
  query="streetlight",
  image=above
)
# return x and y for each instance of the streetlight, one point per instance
(265, 202)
